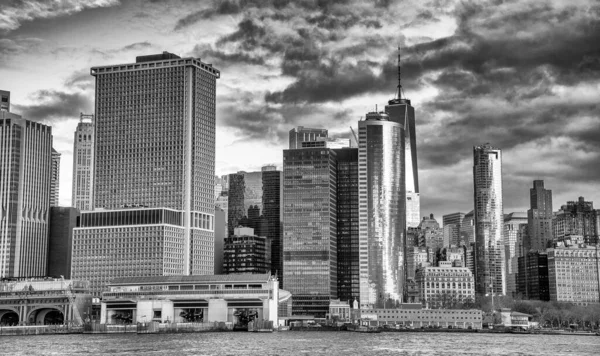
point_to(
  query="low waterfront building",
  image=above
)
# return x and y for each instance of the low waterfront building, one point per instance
(44, 301)
(339, 311)
(573, 274)
(413, 315)
(513, 319)
(445, 285)
(201, 298)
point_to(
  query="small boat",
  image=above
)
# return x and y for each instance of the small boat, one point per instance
(367, 329)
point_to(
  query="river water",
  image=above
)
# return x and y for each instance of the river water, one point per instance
(301, 343)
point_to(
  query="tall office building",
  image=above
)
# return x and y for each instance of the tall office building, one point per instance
(60, 241)
(4, 100)
(304, 134)
(271, 202)
(25, 181)
(310, 228)
(490, 273)
(511, 230)
(452, 225)
(154, 158)
(401, 111)
(382, 210)
(348, 271)
(539, 218)
(55, 179)
(83, 148)
(577, 222)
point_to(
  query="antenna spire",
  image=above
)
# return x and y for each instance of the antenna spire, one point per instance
(400, 91)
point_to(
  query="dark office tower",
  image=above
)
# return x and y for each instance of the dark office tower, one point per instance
(83, 158)
(60, 242)
(382, 211)
(55, 180)
(4, 100)
(347, 225)
(577, 222)
(271, 201)
(304, 134)
(310, 228)
(154, 149)
(220, 235)
(245, 252)
(235, 201)
(539, 218)
(467, 230)
(400, 110)
(25, 180)
(532, 276)
(490, 272)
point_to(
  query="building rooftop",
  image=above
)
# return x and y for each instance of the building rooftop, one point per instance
(219, 278)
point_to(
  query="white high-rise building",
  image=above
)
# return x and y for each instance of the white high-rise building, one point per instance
(25, 181)
(83, 159)
(55, 179)
(490, 271)
(153, 172)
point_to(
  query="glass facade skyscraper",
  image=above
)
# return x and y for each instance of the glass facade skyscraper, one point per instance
(347, 225)
(154, 148)
(310, 228)
(490, 271)
(382, 210)
(271, 202)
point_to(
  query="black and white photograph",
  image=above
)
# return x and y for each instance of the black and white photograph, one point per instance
(299, 177)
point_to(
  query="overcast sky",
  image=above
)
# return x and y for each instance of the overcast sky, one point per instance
(521, 75)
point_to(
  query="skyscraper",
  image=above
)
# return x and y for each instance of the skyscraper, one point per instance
(401, 111)
(539, 218)
(577, 222)
(310, 228)
(245, 191)
(83, 147)
(271, 202)
(4, 100)
(382, 210)
(303, 134)
(154, 158)
(348, 273)
(511, 230)
(55, 179)
(490, 272)
(452, 226)
(25, 180)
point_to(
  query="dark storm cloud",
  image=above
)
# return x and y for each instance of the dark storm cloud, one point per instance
(225, 60)
(81, 79)
(52, 105)
(136, 46)
(14, 12)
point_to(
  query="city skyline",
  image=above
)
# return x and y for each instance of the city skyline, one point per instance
(543, 118)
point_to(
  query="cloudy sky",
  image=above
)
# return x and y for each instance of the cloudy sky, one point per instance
(522, 75)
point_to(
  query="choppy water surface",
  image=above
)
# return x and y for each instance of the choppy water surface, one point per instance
(301, 343)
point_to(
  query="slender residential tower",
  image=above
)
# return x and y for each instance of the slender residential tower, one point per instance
(539, 218)
(382, 211)
(83, 158)
(154, 172)
(490, 272)
(25, 181)
(400, 110)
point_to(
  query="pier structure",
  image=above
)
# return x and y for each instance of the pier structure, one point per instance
(236, 299)
(44, 301)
